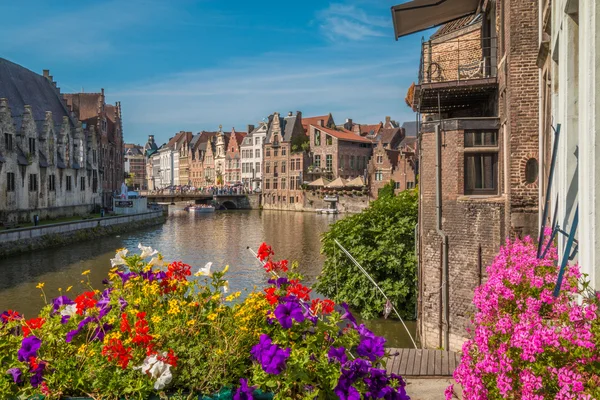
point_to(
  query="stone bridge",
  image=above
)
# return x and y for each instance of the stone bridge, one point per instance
(223, 202)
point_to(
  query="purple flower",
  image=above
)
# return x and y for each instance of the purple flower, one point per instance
(338, 354)
(38, 374)
(16, 375)
(271, 357)
(376, 382)
(355, 369)
(105, 281)
(64, 319)
(371, 347)
(74, 332)
(287, 311)
(364, 332)
(122, 303)
(244, 392)
(100, 332)
(60, 301)
(279, 282)
(153, 276)
(125, 276)
(29, 347)
(348, 315)
(345, 391)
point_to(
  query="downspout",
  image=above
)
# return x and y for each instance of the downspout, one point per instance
(438, 210)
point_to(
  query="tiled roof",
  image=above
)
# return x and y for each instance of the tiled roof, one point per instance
(370, 129)
(24, 87)
(239, 137)
(410, 129)
(343, 135)
(306, 122)
(456, 25)
(389, 135)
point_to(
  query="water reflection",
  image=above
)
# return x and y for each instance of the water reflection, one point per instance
(196, 239)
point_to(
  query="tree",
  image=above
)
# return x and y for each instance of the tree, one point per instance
(382, 240)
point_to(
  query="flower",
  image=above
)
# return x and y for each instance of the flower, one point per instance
(146, 251)
(40, 285)
(34, 323)
(297, 289)
(67, 313)
(85, 301)
(37, 368)
(287, 311)
(29, 347)
(371, 347)
(204, 271)
(86, 272)
(348, 315)
(338, 354)
(119, 258)
(449, 392)
(271, 356)
(158, 369)
(69, 288)
(115, 351)
(264, 251)
(244, 392)
(59, 302)
(16, 375)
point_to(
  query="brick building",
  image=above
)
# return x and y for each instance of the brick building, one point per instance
(338, 153)
(91, 109)
(323, 120)
(387, 164)
(182, 147)
(135, 166)
(200, 148)
(233, 157)
(285, 162)
(477, 102)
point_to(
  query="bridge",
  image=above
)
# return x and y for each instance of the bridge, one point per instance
(224, 201)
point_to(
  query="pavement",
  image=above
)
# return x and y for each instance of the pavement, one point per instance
(430, 388)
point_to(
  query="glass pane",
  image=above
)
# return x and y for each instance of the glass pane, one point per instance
(468, 139)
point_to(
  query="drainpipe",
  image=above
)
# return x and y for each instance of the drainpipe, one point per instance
(438, 208)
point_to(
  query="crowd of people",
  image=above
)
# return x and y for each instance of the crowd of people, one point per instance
(212, 190)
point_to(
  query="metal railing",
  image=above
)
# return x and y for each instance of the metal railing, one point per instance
(458, 60)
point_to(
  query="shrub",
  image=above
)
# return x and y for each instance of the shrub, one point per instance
(527, 343)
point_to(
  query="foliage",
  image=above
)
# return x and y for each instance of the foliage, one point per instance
(382, 240)
(300, 142)
(157, 328)
(527, 343)
(129, 179)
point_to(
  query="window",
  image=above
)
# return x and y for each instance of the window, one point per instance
(33, 183)
(8, 141)
(82, 183)
(317, 137)
(298, 183)
(397, 185)
(298, 164)
(481, 162)
(318, 161)
(275, 184)
(328, 140)
(283, 180)
(257, 153)
(329, 162)
(268, 152)
(52, 183)
(378, 175)
(283, 165)
(351, 162)
(283, 151)
(275, 170)
(283, 199)
(267, 184)
(292, 183)
(32, 146)
(256, 141)
(291, 199)
(69, 183)
(275, 152)
(292, 164)
(410, 185)
(10, 182)
(268, 167)
(257, 167)
(379, 159)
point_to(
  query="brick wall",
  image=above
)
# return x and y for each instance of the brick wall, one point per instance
(400, 170)
(292, 196)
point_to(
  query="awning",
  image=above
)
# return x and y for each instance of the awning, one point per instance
(338, 183)
(356, 182)
(319, 183)
(418, 15)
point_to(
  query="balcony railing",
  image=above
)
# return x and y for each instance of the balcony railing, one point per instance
(458, 60)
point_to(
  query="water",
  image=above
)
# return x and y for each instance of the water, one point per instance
(221, 237)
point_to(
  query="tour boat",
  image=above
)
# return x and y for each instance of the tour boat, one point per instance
(201, 208)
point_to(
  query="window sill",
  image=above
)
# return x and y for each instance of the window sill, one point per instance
(482, 198)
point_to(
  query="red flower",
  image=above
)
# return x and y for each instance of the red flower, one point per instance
(125, 327)
(45, 389)
(283, 265)
(84, 301)
(115, 351)
(327, 306)
(33, 363)
(298, 290)
(264, 251)
(141, 332)
(277, 266)
(34, 323)
(272, 298)
(10, 315)
(179, 271)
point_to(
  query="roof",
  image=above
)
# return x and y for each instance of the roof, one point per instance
(203, 138)
(410, 129)
(306, 122)
(239, 137)
(179, 137)
(338, 183)
(343, 134)
(456, 25)
(319, 182)
(85, 104)
(370, 129)
(408, 142)
(356, 182)
(387, 135)
(393, 156)
(24, 87)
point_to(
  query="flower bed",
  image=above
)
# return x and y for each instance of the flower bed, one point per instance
(528, 344)
(159, 328)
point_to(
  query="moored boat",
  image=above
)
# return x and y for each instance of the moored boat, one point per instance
(201, 208)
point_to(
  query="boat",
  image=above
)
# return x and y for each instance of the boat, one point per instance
(327, 211)
(201, 208)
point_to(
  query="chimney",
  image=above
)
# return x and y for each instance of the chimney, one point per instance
(321, 122)
(46, 73)
(50, 78)
(250, 128)
(151, 138)
(388, 119)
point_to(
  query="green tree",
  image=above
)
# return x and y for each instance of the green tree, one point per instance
(382, 240)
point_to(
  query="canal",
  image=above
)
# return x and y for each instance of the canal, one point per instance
(221, 238)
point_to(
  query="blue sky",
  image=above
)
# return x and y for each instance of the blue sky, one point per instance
(193, 65)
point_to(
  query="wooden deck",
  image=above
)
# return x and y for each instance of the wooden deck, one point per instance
(422, 362)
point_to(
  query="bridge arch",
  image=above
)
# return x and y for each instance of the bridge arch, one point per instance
(229, 205)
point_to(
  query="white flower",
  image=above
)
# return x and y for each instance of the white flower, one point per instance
(69, 310)
(226, 287)
(157, 369)
(119, 258)
(205, 270)
(154, 261)
(147, 251)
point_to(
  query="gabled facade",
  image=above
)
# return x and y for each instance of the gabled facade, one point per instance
(135, 166)
(321, 120)
(181, 162)
(201, 162)
(49, 163)
(252, 157)
(233, 156)
(386, 164)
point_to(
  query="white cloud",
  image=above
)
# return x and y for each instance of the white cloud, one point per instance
(348, 22)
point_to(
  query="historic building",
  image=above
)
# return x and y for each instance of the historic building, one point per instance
(477, 100)
(202, 167)
(388, 164)
(152, 163)
(338, 153)
(91, 109)
(49, 160)
(285, 162)
(252, 157)
(233, 158)
(569, 61)
(322, 120)
(135, 166)
(181, 161)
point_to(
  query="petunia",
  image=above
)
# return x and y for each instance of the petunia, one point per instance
(345, 391)
(338, 354)
(60, 301)
(147, 251)
(119, 258)
(271, 357)
(244, 392)
(156, 369)
(122, 303)
(204, 271)
(16, 375)
(371, 347)
(287, 311)
(38, 374)
(348, 315)
(29, 347)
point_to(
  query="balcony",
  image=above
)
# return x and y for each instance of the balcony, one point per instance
(456, 74)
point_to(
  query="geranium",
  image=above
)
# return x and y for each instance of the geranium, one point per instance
(85, 301)
(31, 324)
(179, 271)
(271, 296)
(8, 316)
(299, 290)
(115, 351)
(264, 251)
(156, 368)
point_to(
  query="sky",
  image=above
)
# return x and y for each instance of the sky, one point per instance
(193, 65)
